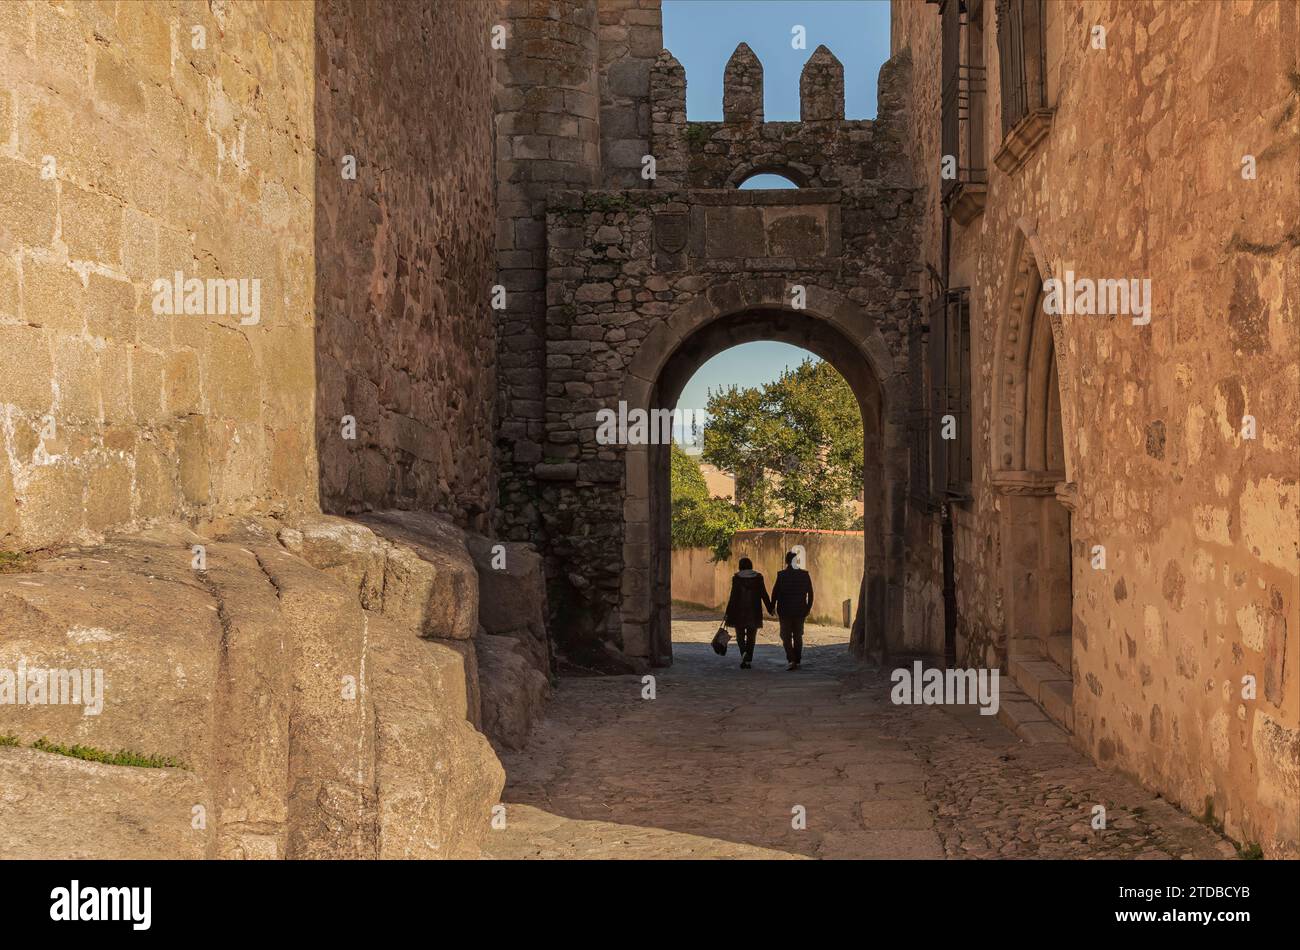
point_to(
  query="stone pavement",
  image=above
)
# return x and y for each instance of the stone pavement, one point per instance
(720, 763)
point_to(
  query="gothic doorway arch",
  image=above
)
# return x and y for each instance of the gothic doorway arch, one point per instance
(1031, 470)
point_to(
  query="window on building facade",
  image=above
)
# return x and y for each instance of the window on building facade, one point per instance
(1022, 51)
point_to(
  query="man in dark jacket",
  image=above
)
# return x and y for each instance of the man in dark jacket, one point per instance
(792, 600)
(745, 608)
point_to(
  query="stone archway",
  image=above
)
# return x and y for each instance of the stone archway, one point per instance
(1030, 469)
(833, 328)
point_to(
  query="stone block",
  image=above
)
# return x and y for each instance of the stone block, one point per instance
(26, 381)
(115, 83)
(436, 776)
(27, 203)
(349, 552)
(192, 460)
(181, 393)
(92, 226)
(513, 690)
(77, 371)
(110, 308)
(52, 296)
(136, 629)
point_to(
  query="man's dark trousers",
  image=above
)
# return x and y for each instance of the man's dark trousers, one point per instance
(792, 638)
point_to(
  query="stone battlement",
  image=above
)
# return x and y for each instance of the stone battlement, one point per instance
(822, 149)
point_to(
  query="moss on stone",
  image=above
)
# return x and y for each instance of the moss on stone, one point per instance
(121, 757)
(696, 135)
(14, 562)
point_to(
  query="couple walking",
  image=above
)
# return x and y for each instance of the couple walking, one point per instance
(791, 601)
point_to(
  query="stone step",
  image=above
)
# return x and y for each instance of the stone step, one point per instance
(1026, 719)
(1025, 648)
(1060, 650)
(1030, 674)
(1049, 686)
(1058, 702)
(1037, 733)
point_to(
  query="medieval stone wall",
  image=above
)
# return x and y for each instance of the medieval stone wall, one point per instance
(833, 558)
(138, 141)
(631, 37)
(547, 136)
(141, 141)
(1140, 176)
(405, 342)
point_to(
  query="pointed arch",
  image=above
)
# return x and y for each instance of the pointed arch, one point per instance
(1031, 383)
(1031, 468)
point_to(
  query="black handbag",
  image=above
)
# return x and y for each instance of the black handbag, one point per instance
(720, 640)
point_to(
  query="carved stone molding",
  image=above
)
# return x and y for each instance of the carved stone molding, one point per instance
(1027, 483)
(1022, 140)
(966, 202)
(1067, 493)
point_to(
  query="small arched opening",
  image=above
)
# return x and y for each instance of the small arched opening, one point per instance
(766, 181)
(771, 172)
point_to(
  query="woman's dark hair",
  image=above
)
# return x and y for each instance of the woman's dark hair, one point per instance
(788, 558)
(746, 564)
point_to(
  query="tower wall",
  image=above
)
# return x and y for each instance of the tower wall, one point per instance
(547, 137)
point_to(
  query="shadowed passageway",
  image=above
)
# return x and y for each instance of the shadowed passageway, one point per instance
(716, 763)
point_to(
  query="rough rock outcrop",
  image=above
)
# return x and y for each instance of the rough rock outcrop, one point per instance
(316, 681)
(512, 602)
(515, 659)
(514, 691)
(52, 805)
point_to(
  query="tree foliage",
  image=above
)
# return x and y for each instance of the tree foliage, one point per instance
(699, 521)
(805, 428)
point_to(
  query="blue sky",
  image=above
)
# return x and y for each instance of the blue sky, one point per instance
(702, 34)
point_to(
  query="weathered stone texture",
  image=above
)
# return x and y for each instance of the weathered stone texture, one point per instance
(512, 596)
(114, 812)
(631, 38)
(405, 269)
(514, 691)
(549, 105)
(127, 155)
(132, 148)
(318, 676)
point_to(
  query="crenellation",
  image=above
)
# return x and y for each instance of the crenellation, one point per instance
(821, 88)
(742, 87)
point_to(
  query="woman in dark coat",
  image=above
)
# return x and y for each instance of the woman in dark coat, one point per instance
(745, 608)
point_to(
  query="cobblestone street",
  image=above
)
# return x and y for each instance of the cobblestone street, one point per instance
(720, 762)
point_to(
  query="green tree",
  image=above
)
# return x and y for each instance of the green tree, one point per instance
(795, 446)
(699, 521)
